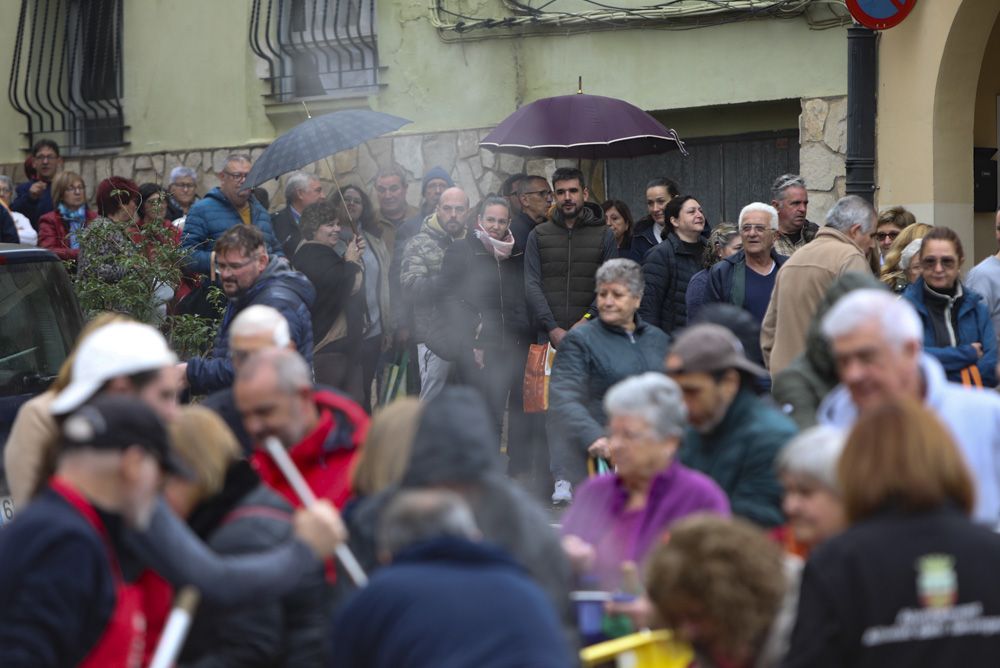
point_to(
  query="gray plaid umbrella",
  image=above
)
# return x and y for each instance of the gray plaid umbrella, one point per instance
(319, 138)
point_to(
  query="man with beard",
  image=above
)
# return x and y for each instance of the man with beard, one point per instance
(734, 437)
(562, 256)
(418, 276)
(249, 276)
(63, 598)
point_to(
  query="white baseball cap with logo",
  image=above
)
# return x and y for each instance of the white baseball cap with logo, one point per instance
(117, 349)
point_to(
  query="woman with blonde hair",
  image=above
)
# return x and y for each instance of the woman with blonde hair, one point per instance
(892, 274)
(911, 581)
(382, 461)
(29, 456)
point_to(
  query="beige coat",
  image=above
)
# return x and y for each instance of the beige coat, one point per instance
(798, 289)
(33, 434)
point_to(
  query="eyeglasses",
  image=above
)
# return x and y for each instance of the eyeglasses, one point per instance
(946, 262)
(239, 177)
(759, 229)
(882, 236)
(547, 194)
(353, 200)
(223, 267)
(75, 189)
(46, 157)
(496, 221)
(185, 186)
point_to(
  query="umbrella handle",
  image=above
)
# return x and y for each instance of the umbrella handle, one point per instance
(350, 218)
(172, 638)
(305, 494)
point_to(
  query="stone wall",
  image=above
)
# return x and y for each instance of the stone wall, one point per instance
(477, 171)
(823, 152)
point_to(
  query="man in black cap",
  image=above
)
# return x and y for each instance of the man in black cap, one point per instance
(63, 599)
(734, 437)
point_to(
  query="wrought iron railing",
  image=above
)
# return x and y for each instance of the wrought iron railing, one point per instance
(315, 47)
(66, 73)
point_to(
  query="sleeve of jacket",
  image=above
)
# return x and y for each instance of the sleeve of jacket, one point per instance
(195, 238)
(263, 222)
(694, 297)
(418, 285)
(208, 374)
(715, 291)
(23, 203)
(300, 321)
(767, 327)
(50, 236)
(8, 230)
(987, 335)
(795, 397)
(169, 547)
(569, 392)
(817, 638)
(758, 494)
(655, 272)
(610, 249)
(538, 306)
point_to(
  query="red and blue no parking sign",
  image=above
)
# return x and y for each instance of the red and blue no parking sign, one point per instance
(880, 14)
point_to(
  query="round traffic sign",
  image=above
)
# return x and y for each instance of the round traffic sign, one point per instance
(880, 14)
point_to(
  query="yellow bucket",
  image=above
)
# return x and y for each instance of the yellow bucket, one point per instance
(646, 649)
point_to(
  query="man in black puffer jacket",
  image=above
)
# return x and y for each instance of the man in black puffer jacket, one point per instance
(669, 266)
(250, 277)
(562, 256)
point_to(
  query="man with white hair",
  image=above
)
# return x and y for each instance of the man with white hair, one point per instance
(256, 328)
(301, 190)
(877, 344)
(746, 279)
(839, 247)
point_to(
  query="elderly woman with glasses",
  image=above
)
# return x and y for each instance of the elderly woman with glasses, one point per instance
(616, 519)
(957, 326)
(182, 192)
(593, 357)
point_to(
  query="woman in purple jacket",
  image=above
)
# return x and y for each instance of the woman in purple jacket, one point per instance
(618, 518)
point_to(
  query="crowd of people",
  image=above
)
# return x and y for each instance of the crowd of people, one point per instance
(778, 438)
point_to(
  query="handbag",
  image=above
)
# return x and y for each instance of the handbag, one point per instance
(971, 377)
(537, 371)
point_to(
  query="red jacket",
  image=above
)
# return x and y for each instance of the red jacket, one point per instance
(325, 456)
(53, 234)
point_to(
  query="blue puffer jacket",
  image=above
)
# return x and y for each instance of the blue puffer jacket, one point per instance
(974, 325)
(280, 287)
(210, 217)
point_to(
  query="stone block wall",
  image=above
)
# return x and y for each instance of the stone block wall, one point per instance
(823, 152)
(478, 172)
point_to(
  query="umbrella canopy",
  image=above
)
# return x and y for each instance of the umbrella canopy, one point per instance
(589, 127)
(319, 138)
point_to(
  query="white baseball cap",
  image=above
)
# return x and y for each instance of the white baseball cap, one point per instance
(117, 349)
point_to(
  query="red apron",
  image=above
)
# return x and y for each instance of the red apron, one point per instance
(121, 645)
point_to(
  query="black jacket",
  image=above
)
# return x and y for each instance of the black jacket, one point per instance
(643, 239)
(901, 590)
(482, 304)
(450, 603)
(8, 230)
(667, 269)
(334, 278)
(286, 230)
(559, 267)
(727, 279)
(57, 591)
(592, 358)
(248, 517)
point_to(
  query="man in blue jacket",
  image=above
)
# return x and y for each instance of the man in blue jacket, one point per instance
(446, 599)
(221, 208)
(250, 276)
(33, 198)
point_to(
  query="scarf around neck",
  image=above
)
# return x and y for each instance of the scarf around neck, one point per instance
(501, 249)
(75, 219)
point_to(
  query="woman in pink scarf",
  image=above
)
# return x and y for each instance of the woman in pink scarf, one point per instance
(483, 321)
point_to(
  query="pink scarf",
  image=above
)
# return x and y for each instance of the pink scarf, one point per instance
(501, 249)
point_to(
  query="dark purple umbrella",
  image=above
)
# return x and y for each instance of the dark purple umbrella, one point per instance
(589, 127)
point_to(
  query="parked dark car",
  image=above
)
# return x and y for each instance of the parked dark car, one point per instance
(40, 319)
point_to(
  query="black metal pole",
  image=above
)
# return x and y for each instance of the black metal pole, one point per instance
(862, 77)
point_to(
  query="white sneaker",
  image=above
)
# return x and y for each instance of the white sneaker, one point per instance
(563, 493)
